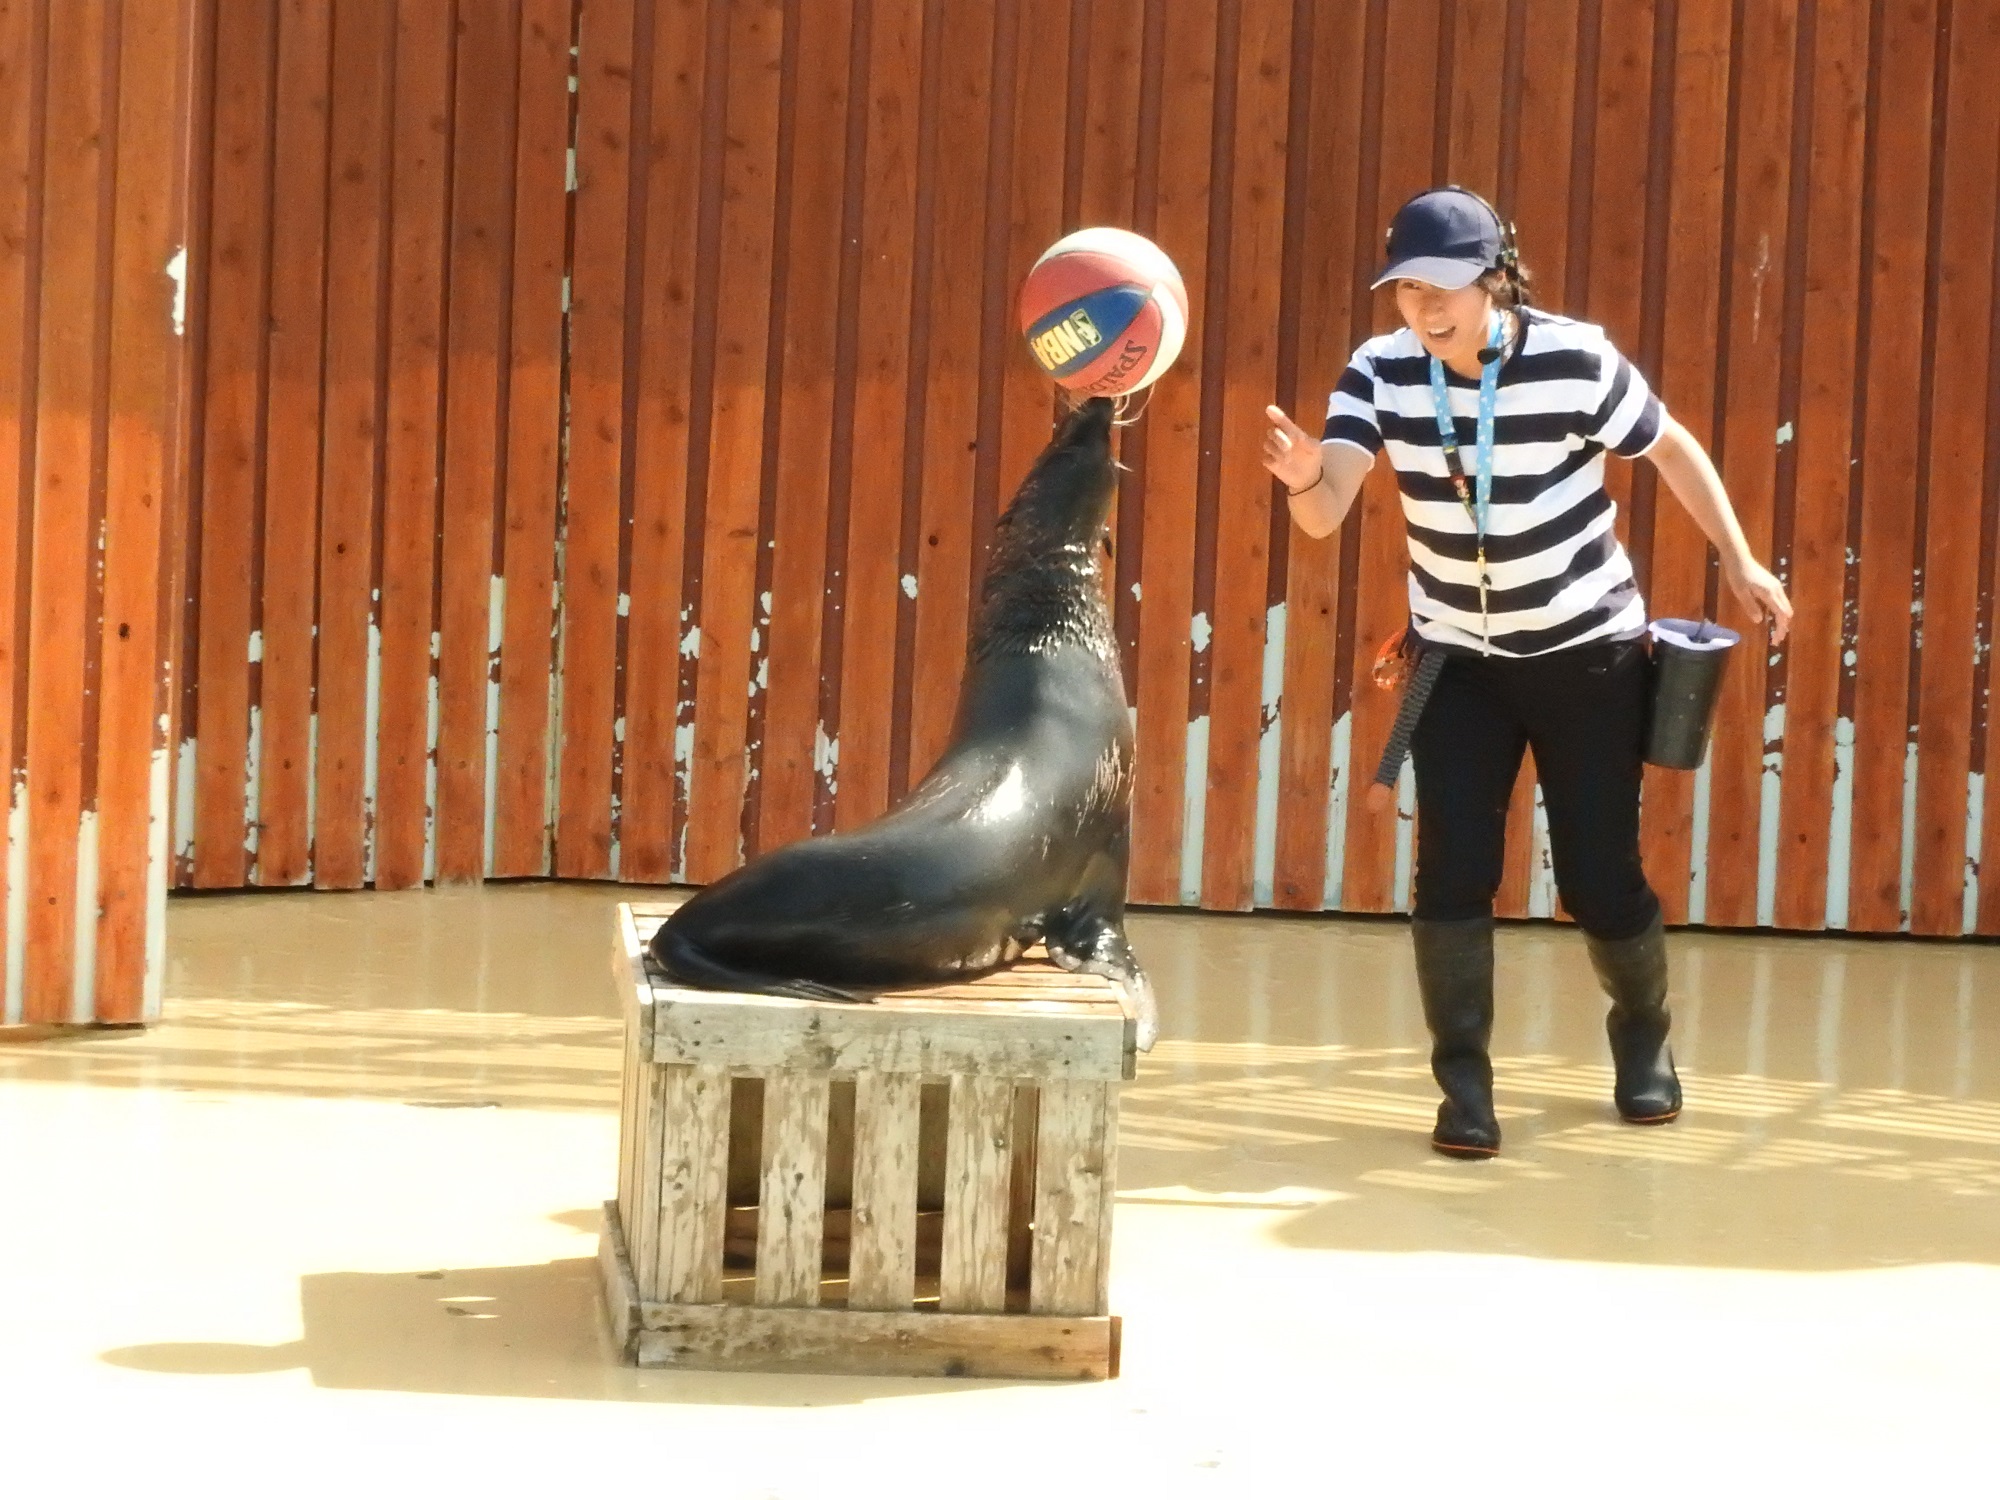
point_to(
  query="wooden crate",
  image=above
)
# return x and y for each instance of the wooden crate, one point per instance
(918, 1186)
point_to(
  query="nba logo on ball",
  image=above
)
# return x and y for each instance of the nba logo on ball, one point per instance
(1104, 311)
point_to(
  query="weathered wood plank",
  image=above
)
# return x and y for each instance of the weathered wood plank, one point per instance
(793, 1200)
(833, 1341)
(1072, 1198)
(692, 1177)
(882, 1256)
(978, 1152)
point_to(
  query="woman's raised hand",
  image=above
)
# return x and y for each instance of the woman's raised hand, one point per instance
(1289, 452)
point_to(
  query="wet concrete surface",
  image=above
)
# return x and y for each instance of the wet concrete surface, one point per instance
(342, 1203)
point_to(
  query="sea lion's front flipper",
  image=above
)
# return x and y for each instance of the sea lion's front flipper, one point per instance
(687, 963)
(1088, 941)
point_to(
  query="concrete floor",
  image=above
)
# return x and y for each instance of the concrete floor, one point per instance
(331, 1224)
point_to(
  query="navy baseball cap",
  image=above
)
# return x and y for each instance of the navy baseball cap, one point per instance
(1446, 237)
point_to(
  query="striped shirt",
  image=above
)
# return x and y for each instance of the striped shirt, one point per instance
(1558, 575)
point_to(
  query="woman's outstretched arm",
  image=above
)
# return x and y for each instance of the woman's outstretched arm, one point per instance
(1295, 458)
(1692, 477)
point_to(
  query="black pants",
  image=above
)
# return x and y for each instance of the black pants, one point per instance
(1582, 711)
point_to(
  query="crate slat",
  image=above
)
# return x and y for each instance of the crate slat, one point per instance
(693, 1178)
(1072, 1199)
(793, 1202)
(978, 1156)
(882, 1250)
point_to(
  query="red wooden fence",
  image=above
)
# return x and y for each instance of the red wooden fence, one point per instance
(605, 404)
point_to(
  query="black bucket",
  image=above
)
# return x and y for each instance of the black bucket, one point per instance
(1688, 661)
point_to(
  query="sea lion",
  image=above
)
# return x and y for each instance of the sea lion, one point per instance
(1020, 833)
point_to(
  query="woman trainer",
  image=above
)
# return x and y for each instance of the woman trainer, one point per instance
(1496, 417)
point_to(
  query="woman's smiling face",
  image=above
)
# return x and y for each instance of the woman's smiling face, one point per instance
(1452, 326)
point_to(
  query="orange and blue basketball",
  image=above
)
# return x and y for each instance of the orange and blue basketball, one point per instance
(1105, 312)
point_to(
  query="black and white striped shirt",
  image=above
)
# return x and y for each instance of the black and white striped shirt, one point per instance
(1566, 396)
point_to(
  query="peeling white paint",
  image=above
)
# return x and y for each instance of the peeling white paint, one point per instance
(372, 719)
(756, 640)
(496, 632)
(1264, 858)
(1840, 824)
(1784, 434)
(1194, 810)
(1908, 875)
(1135, 591)
(1698, 843)
(184, 785)
(762, 681)
(683, 760)
(431, 767)
(157, 804)
(253, 782)
(691, 642)
(256, 646)
(1768, 809)
(910, 585)
(1406, 824)
(17, 898)
(764, 603)
(1336, 811)
(1198, 632)
(826, 759)
(1975, 823)
(177, 268)
(312, 794)
(1541, 863)
(83, 988)
(624, 605)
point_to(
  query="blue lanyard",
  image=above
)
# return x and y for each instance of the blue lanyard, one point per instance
(1477, 497)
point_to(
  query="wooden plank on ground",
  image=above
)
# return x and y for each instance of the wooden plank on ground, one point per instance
(1179, 192)
(1250, 283)
(819, 263)
(483, 141)
(882, 1254)
(1827, 373)
(861, 740)
(1747, 442)
(1072, 1198)
(1324, 315)
(730, 540)
(239, 273)
(836, 1341)
(533, 442)
(1381, 595)
(1678, 582)
(146, 399)
(595, 477)
(978, 1151)
(420, 148)
(792, 1202)
(292, 436)
(1959, 357)
(1899, 228)
(357, 203)
(61, 634)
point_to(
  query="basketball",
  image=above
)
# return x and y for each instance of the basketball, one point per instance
(1104, 311)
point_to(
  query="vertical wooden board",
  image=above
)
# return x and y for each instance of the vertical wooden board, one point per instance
(1251, 283)
(594, 479)
(20, 191)
(882, 1254)
(482, 192)
(661, 439)
(1107, 172)
(1548, 118)
(1071, 1198)
(1958, 439)
(293, 349)
(239, 275)
(1180, 206)
(945, 479)
(736, 441)
(1678, 585)
(145, 404)
(1898, 188)
(420, 148)
(1757, 256)
(792, 1205)
(978, 1153)
(693, 1179)
(1312, 589)
(1382, 598)
(817, 266)
(1817, 579)
(60, 634)
(357, 205)
(1478, 51)
(532, 441)
(861, 740)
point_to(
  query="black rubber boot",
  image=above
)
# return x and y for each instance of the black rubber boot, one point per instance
(1455, 978)
(1633, 972)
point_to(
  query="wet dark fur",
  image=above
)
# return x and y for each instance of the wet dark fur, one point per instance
(1019, 833)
